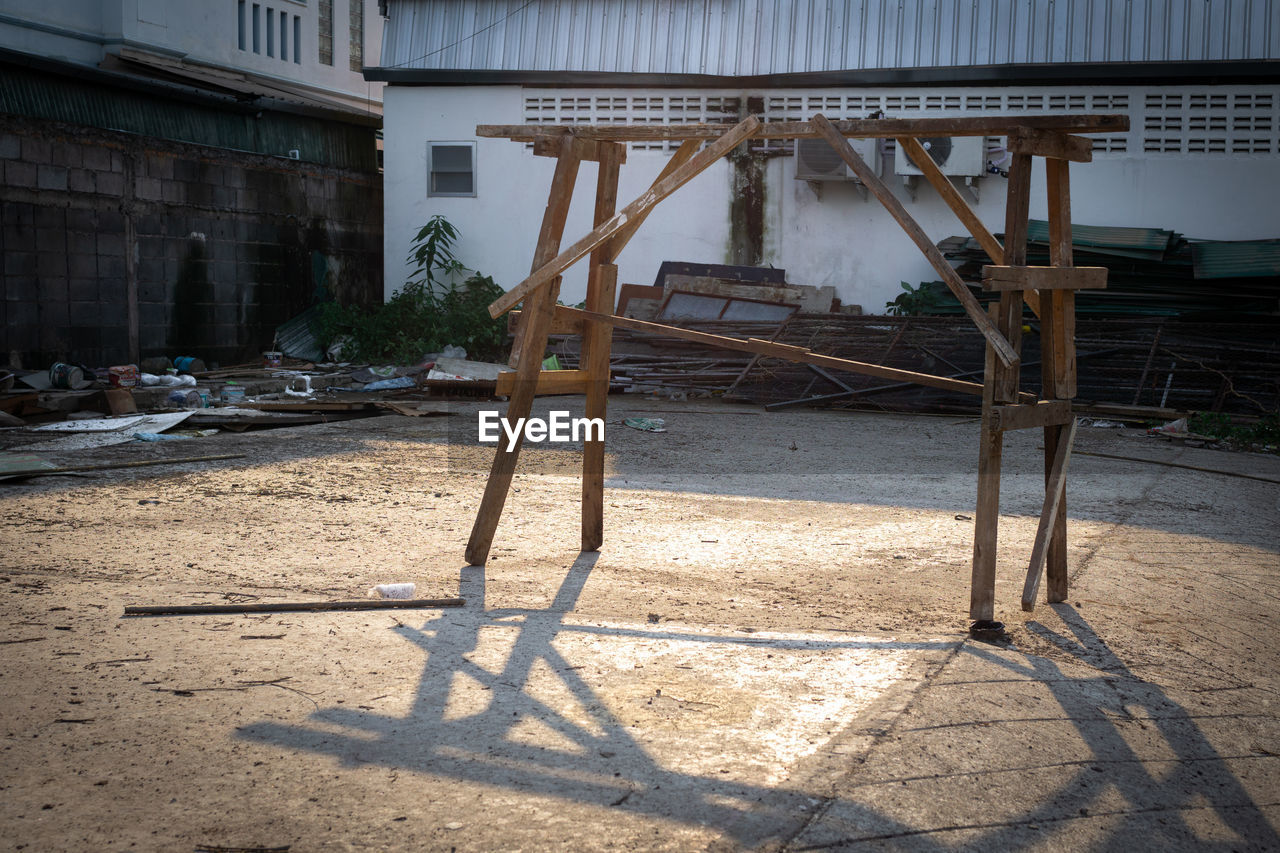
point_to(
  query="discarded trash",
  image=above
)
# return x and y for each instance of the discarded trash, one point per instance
(63, 375)
(393, 590)
(390, 384)
(646, 424)
(451, 351)
(272, 358)
(551, 362)
(170, 380)
(1178, 427)
(185, 400)
(1098, 423)
(188, 364)
(232, 393)
(155, 436)
(123, 376)
(293, 390)
(100, 432)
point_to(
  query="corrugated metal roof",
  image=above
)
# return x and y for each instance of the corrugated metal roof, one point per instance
(754, 37)
(1236, 259)
(1118, 240)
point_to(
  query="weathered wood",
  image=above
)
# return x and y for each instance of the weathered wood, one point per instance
(986, 516)
(1050, 144)
(854, 128)
(999, 278)
(596, 360)
(1053, 500)
(950, 277)
(777, 350)
(546, 382)
(602, 286)
(1058, 367)
(539, 309)
(1016, 210)
(595, 150)
(952, 197)
(699, 162)
(560, 324)
(1042, 414)
(683, 154)
(1007, 376)
(293, 606)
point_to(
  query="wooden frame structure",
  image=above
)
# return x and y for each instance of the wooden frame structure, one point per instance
(1049, 291)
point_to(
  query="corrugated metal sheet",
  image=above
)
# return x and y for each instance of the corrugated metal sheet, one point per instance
(1237, 259)
(28, 92)
(753, 37)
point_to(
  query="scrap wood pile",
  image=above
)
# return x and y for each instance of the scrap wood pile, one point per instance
(1139, 363)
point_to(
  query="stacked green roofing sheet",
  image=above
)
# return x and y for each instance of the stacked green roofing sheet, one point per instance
(1151, 271)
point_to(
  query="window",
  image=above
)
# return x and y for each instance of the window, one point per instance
(257, 28)
(284, 36)
(325, 43)
(451, 168)
(297, 40)
(243, 28)
(355, 35)
(271, 32)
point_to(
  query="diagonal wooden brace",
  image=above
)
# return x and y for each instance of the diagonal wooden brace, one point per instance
(739, 133)
(1053, 493)
(1003, 349)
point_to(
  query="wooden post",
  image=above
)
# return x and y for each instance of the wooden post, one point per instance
(602, 281)
(535, 323)
(1057, 366)
(986, 517)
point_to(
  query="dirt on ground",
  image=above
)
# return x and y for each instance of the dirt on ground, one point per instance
(769, 652)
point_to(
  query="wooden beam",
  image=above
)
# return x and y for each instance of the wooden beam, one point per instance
(1058, 367)
(546, 382)
(952, 197)
(539, 309)
(1041, 414)
(560, 324)
(597, 340)
(872, 182)
(776, 350)
(1054, 490)
(986, 516)
(738, 133)
(548, 145)
(683, 154)
(1044, 278)
(1050, 144)
(855, 128)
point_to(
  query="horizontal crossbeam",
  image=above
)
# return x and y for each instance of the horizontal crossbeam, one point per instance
(549, 382)
(1043, 278)
(852, 129)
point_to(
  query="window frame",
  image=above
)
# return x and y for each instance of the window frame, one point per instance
(470, 145)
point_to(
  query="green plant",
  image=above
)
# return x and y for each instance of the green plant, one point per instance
(436, 307)
(1261, 436)
(913, 300)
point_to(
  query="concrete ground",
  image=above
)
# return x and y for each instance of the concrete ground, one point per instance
(770, 652)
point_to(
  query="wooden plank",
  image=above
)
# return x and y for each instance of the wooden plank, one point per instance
(872, 182)
(642, 205)
(596, 360)
(560, 325)
(683, 154)
(1010, 325)
(1053, 500)
(1057, 173)
(602, 286)
(986, 516)
(548, 145)
(999, 278)
(855, 128)
(1025, 416)
(554, 217)
(1050, 144)
(539, 310)
(776, 350)
(1064, 348)
(952, 197)
(548, 382)
(1017, 210)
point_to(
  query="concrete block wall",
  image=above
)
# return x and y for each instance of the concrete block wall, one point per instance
(117, 247)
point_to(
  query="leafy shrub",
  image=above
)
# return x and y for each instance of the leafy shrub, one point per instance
(436, 307)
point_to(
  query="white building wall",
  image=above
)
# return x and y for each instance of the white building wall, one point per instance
(206, 32)
(1200, 160)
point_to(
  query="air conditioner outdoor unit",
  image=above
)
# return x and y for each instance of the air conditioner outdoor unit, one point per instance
(955, 155)
(816, 160)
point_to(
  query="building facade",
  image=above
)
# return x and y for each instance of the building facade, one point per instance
(1198, 81)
